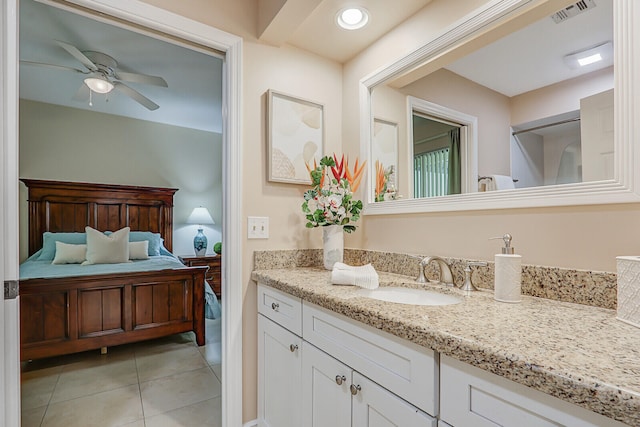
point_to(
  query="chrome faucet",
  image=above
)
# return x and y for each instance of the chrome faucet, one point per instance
(446, 275)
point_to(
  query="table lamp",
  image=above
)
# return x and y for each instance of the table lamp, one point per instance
(200, 216)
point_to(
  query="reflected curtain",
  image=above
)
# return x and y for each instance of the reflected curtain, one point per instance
(455, 185)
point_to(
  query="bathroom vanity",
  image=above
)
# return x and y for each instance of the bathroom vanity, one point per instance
(329, 356)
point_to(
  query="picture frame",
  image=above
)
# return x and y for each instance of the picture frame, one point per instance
(295, 136)
(384, 149)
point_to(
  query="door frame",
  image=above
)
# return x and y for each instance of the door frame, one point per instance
(162, 21)
(9, 254)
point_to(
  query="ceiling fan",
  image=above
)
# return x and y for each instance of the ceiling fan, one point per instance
(103, 76)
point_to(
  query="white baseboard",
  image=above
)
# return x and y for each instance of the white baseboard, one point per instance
(253, 423)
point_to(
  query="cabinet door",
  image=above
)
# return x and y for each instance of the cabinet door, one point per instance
(374, 406)
(325, 389)
(279, 376)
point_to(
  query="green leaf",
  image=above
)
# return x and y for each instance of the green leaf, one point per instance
(327, 161)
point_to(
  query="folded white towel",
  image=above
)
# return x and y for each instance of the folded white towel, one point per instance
(364, 276)
(501, 182)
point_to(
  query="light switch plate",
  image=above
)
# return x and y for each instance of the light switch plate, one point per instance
(257, 227)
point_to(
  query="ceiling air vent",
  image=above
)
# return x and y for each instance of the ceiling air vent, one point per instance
(573, 10)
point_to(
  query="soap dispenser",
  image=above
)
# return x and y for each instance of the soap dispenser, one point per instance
(508, 273)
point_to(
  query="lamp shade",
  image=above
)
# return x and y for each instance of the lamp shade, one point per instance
(200, 216)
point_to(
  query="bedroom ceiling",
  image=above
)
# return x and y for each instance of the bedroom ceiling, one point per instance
(193, 97)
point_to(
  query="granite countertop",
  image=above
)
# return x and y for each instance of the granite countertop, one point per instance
(577, 353)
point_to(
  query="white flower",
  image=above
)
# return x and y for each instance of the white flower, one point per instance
(334, 201)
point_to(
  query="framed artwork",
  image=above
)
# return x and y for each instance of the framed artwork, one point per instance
(384, 150)
(295, 130)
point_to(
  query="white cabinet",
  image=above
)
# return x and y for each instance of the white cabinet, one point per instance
(375, 406)
(470, 396)
(406, 369)
(279, 372)
(326, 398)
(319, 369)
(279, 360)
(335, 395)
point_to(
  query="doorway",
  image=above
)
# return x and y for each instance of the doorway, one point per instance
(229, 45)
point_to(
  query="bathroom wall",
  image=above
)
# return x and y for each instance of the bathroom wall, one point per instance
(559, 98)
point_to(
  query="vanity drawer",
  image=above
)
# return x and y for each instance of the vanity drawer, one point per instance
(404, 368)
(282, 308)
(470, 396)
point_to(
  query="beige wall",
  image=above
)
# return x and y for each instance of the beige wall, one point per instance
(491, 108)
(559, 98)
(69, 144)
(582, 237)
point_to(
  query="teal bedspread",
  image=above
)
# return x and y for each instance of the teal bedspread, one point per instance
(32, 268)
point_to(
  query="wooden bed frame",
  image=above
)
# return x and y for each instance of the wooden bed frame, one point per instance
(73, 314)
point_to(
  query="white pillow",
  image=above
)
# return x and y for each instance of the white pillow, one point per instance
(139, 250)
(103, 249)
(69, 254)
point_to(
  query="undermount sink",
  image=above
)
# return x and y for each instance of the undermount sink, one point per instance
(409, 296)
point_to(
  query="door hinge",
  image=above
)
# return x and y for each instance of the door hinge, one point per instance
(11, 289)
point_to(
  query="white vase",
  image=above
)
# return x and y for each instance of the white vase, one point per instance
(333, 245)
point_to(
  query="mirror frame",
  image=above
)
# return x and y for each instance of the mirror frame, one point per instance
(625, 185)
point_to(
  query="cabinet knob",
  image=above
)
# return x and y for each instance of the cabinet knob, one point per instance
(293, 347)
(355, 389)
(275, 306)
(340, 379)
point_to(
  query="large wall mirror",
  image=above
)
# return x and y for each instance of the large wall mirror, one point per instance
(523, 103)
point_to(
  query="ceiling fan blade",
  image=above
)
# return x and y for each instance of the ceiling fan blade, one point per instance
(73, 51)
(136, 96)
(141, 78)
(54, 66)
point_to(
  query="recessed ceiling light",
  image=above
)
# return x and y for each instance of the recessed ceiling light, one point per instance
(601, 53)
(589, 59)
(352, 18)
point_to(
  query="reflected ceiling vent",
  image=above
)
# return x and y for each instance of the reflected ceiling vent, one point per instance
(573, 10)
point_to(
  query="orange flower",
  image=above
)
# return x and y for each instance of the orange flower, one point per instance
(341, 171)
(381, 179)
(356, 177)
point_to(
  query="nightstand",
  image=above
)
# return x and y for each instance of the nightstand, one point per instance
(214, 274)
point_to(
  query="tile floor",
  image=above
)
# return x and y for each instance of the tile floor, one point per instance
(168, 382)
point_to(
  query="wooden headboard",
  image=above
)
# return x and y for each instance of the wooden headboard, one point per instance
(58, 206)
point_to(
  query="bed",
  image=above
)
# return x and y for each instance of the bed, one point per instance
(71, 308)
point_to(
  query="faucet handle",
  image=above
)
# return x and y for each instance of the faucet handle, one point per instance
(468, 283)
(476, 263)
(421, 277)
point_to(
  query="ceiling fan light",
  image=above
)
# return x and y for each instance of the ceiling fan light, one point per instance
(352, 18)
(98, 85)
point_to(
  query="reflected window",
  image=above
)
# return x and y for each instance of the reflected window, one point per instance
(436, 156)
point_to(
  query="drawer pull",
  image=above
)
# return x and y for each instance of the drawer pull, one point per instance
(340, 379)
(355, 389)
(293, 347)
(275, 306)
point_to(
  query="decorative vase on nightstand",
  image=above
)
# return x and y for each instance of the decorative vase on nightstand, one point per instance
(200, 243)
(333, 245)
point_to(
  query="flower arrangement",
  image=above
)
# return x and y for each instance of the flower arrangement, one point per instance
(385, 188)
(330, 201)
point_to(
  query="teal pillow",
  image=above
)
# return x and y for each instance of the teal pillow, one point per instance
(155, 242)
(49, 240)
